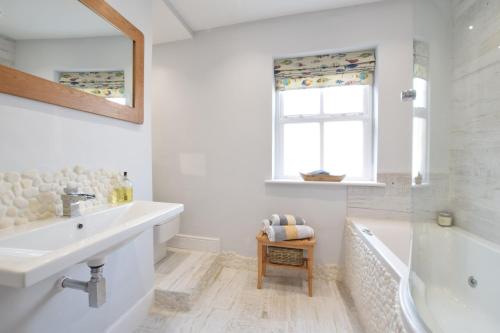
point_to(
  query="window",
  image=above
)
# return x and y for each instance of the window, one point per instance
(118, 100)
(324, 115)
(420, 140)
(420, 130)
(325, 128)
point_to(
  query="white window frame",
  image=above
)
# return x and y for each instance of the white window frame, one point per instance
(368, 121)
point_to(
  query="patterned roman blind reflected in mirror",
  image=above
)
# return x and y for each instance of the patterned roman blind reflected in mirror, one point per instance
(108, 84)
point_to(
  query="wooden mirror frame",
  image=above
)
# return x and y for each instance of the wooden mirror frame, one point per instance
(18, 83)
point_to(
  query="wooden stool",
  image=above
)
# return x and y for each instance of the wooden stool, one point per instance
(303, 244)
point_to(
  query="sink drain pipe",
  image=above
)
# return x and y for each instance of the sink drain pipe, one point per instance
(95, 287)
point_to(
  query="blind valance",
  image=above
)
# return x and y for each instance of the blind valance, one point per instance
(327, 70)
(104, 83)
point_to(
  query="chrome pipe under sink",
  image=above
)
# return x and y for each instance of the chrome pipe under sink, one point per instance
(95, 287)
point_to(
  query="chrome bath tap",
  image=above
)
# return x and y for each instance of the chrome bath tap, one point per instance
(71, 201)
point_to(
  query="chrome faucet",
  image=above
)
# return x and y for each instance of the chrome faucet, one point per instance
(71, 201)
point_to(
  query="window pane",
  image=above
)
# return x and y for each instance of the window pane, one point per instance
(345, 99)
(301, 101)
(119, 100)
(419, 150)
(301, 148)
(344, 148)
(420, 86)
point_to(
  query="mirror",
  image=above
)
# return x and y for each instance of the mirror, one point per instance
(86, 48)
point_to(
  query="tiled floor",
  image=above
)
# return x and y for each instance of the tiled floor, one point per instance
(233, 304)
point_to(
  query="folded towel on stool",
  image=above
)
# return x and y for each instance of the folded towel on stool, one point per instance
(286, 219)
(265, 224)
(278, 233)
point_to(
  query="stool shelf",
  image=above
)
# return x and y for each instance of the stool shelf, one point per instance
(304, 244)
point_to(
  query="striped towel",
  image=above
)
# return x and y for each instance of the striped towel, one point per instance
(282, 220)
(286, 219)
(278, 233)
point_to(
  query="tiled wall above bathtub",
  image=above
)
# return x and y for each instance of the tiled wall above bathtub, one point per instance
(431, 198)
(475, 132)
(390, 202)
(30, 195)
(398, 200)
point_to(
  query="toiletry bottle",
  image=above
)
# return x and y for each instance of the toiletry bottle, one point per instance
(115, 195)
(418, 179)
(445, 219)
(127, 189)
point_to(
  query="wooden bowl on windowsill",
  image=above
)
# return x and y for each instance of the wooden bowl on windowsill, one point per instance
(322, 178)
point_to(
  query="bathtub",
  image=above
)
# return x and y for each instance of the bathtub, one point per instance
(460, 270)
(376, 256)
(461, 273)
(376, 270)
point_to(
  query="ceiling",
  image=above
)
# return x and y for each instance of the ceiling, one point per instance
(172, 19)
(168, 26)
(178, 19)
(35, 19)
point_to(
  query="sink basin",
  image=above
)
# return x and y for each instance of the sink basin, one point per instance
(35, 251)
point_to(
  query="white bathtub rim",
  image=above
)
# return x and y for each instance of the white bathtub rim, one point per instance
(391, 261)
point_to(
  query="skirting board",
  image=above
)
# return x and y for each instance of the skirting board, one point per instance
(196, 243)
(131, 319)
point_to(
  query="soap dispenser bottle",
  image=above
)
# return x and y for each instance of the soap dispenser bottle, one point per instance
(127, 188)
(116, 193)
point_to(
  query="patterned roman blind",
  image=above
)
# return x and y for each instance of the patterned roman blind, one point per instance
(327, 70)
(103, 83)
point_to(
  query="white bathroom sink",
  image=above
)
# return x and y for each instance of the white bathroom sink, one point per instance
(35, 251)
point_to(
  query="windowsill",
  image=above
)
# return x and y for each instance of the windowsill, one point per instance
(335, 184)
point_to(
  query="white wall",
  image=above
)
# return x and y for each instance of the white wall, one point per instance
(212, 120)
(7, 51)
(47, 57)
(40, 136)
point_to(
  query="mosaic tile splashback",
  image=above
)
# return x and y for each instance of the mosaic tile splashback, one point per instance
(31, 195)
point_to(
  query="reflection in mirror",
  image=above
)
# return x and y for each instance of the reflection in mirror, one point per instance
(66, 42)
